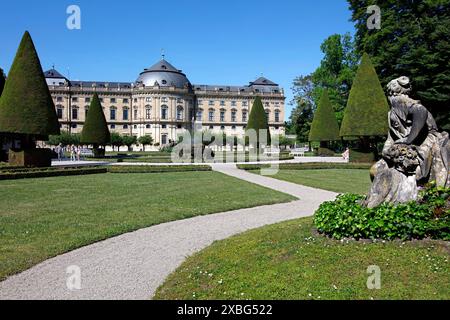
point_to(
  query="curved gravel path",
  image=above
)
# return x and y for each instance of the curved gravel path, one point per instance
(134, 265)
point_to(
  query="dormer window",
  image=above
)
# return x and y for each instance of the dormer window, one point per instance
(164, 82)
(163, 67)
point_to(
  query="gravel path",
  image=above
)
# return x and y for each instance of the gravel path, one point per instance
(134, 265)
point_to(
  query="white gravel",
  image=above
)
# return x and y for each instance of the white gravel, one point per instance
(134, 265)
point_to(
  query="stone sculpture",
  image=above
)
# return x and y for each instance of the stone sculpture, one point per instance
(414, 154)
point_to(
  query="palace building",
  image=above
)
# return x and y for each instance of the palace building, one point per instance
(163, 103)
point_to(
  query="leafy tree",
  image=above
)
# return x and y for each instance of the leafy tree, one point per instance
(303, 112)
(413, 41)
(95, 130)
(367, 107)
(116, 140)
(335, 73)
(324, 127)
(65, 138)
(26, 107)
(257, 121)
(146, 141)
(2, 81)
(129, 141)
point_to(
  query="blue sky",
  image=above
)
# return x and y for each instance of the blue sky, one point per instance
(213, 42)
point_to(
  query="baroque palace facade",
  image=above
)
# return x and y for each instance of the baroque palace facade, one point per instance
(163, 103)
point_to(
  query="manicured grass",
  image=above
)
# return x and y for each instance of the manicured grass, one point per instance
(337, 180)
(41, 218)
(288, 261)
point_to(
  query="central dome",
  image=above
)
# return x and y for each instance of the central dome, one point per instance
(163, 74)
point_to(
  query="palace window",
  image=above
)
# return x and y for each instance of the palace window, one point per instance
(233, 103)
(113, 126)
(86, 110)
(59, 112)
(222, 127)
(277, 116)
(244, 116)
(125, 100)
(164, 100)
(233, 115)
(211, 115)
(164, 112)
(148, 99)
(125, 126)
(164, 126)
(75, 113)
(211, 102)
(148, 126)
(164, 139)
(180, 113)
(125, 113)
(200, 102)
(148, 112)
(244, 103)
(59, 99)
(112, 113)
(74, 99)
(268, 114)
(87, 100)
(222, 115)
(222, 103)
(233, 127)
(199, 114)
(135, 114)
(113, 100)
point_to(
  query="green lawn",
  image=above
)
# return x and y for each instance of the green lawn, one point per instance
(337, 180)
(287, 261)
(41, 218)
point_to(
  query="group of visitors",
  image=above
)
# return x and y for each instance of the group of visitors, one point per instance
(73, 151)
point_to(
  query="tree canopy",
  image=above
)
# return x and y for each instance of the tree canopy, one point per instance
(26, 105)
(324, 126)
(335, 73)
(95, 129)
(257, 121)
(413, 41)
(367, 109)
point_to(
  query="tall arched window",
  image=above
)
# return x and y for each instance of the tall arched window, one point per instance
(277, 115)
(180, 113)
(125, 113)
(268, 114)
(222, 115)
(164, 112)
(233, 115)
(75, 113)
(211, 115)
(244, 115)
(112, 113)
(148, 112)
(60, 111)
(199, 115)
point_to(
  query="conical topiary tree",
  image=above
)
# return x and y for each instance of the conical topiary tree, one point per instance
(2, 81)
(27, 111)
(257, 120)
(367, 106)
(95, 130)
(324, 127)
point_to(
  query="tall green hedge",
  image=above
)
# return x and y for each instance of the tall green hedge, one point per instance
(367, 107)
(324, 126)
(26, 106)
(257, 120)
(95, 129)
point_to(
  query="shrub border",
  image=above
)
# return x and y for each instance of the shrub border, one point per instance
(308, 166)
